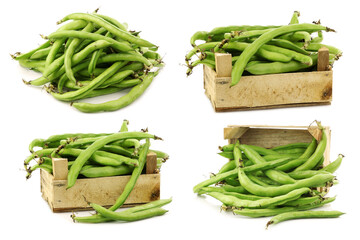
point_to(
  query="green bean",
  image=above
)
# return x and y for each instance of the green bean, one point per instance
(101, 157)
(28, 54)
(292, 150)
(238, 189)
(259, 181)
(102, 91)
(267, 212)
(282, 155)
(127, 83)
(111, 28)
(200, 48)
(200, 35)
(58, 137)
(303, 214)
(298, 36)
(150, 205)
(38, 142)
(260, 203)
(240, 64)
(303, 158)
(74, 95)
(120, 46)
(305, 59)
(152, 55)
(28, 63)
(294, 18)
(233, 181)
(288, 45)
(230, 165)
(39, 153)
(279, 176)
(160, 154)
(272, 191)
(316, 156)
(124, 126)
(112, 21)
(40, 53)
(261, 52)
(123, 101)
(106, 171)
(128, 217)
(333, 166)
(317, 46)
(241, 35)
(305, 173)
(303, 201)
(291, 145)
(86, 154)
(251, 197)
(209, 63)
(222, 30)
(113, 81)
(260, 150)
(118, 150)
(318, 39)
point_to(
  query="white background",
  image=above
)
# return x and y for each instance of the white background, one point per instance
(175, 108)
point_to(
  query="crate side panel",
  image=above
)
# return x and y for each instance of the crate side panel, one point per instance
(104, 191)
(275, 89)
(269, 138)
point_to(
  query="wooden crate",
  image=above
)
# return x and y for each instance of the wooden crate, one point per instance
(102, 190)
(268, 91)
(272, 136)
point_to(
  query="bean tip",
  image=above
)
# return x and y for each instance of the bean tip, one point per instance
(158, 138)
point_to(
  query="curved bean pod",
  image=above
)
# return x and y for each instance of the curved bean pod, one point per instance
(111, 28)
(267, 212)
(260, 203)
(303, 214)
(123, 101)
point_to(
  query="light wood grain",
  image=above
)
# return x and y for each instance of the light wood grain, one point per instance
(323, 59)
(60, 168)
(223, 64)
(103, 190)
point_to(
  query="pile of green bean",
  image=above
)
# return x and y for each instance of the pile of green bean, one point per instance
(93, 55)
(285, 181)
(101, 155)
(262, 49)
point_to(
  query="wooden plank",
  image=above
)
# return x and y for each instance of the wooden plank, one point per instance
(275, 89)
(269, 138)
(151, 163)
(104, 191)
(60, 168)
(223, 64)
(234, 132)
(323, 59)
(269, 91)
